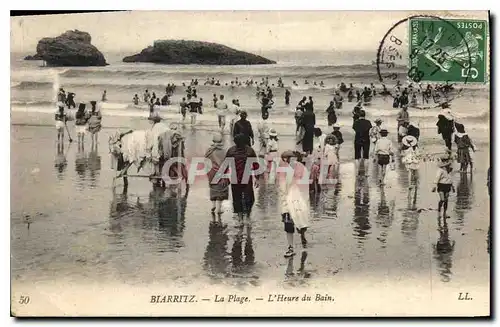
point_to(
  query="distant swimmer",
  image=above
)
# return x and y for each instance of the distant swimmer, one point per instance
(338, 100)
(218, 83)
(295, 83)
(315, 84)
(287, 97)
(147, 96)
(321, 84)
(104, 96)
(135, 100)
(343, 87)
(374, 90)
(157, 102)
(306, 82)
(153, 97)
(165, 101)
(350, 96)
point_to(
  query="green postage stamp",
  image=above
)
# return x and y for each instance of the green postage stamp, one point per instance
(448, 50)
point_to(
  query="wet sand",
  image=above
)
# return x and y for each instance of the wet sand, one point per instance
(68, 227)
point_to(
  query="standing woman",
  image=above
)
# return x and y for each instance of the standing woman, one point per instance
(332, 117)
(445, 124)
(242, 191)
(301, 131)
(309, 121)
(219, 188)
(94, 122)
(411, 158)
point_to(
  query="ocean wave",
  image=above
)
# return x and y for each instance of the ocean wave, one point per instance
(26, 85)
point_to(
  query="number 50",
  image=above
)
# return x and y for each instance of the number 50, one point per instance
(24, 299)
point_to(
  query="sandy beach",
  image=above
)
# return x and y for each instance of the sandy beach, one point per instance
(80, 231)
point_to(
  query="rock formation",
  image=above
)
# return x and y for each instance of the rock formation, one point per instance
(71, 48)
(181, 52)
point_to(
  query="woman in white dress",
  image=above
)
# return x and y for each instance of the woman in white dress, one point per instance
(294, 207)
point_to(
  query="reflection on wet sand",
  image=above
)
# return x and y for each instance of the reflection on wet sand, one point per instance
(361, 210)
(94, 166)
(385, 217)
(81, 166)
(330, 201)
(60, 162)
(243, 256)
(165, 211)
(215, 260)
(464, 200)
(301, 277)
(443, 250)
(409, 225)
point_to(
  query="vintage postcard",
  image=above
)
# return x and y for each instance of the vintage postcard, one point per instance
(260, 163)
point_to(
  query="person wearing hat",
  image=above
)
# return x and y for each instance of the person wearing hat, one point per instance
(219, 188)
(263, 130)
(411, 157)
(463, 143)
(242, 191)
(244, 127)
(375, 135)
(338, 100)
(444, 183)
(294, 208)
(445, 124)
(357, 110)
(384, 151)
(339, 139)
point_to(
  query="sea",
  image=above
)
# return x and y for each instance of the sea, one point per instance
(80, 246)
(34, 87)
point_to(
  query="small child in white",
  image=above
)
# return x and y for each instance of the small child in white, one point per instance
(330, 154)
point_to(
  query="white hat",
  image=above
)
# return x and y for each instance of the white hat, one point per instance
(409, 141)
(272, 132)
(336, 125)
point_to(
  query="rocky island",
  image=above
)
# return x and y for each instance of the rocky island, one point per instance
(72, 48)
(182, 52)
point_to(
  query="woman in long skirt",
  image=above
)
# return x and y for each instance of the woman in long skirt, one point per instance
(242, 190)
(219, 187)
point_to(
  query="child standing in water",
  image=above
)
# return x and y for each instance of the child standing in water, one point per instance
(294, 208)
(384, 151)
(330, 154)
(339, 138)
(375, 135)
(411, 158)
(444, 184)
(463, 142)
(61, 120)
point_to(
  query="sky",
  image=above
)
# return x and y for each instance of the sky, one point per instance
(244, 30)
